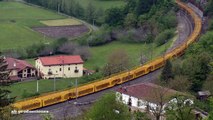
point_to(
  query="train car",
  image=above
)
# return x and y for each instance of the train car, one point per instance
(67, 94)
(115, 80)
(140, 71)
(28, 104)
(103, 84)
(84, 90)
(52, 99)
(127, 76)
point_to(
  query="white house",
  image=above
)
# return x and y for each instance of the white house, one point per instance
(147, 96)
(63, 66)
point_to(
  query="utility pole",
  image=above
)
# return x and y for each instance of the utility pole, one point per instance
(37, 86)
(76, 89)
(54, 83)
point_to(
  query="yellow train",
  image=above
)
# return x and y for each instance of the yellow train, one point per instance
(53, 98)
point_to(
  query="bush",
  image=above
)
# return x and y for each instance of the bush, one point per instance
(163, 37)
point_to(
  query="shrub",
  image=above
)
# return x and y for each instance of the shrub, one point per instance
(164, 36)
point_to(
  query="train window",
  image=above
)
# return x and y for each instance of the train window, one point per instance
(89, 90)
(140, 73)
(102, 86)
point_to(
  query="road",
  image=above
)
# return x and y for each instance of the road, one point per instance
(65, 109)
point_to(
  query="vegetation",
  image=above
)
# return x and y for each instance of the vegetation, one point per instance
(115, 110)
(16, 20)
(4, 93)
(180, 109)
(167, 73)
(85, 9)
(61, 22)
(117, 61)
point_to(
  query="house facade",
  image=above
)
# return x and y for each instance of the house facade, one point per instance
(20, 69)
(62, 66)
(146, 97)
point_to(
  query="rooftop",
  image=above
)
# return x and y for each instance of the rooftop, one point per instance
(17, 64)
(61, 60)
(148, 91)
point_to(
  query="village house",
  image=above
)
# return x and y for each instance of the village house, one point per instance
(63, 66)
(20, 69)
(146, 96)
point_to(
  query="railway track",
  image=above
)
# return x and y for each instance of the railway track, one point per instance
(119, 79)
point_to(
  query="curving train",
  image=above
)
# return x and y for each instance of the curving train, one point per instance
(57, 97)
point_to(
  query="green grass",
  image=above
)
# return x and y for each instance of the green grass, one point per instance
(16, 21)
(102, 4)
(100, 54)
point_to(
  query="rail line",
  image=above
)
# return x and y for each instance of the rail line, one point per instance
(61, 96)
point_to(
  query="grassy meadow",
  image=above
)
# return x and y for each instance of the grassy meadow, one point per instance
(15, 22)
(102, 4)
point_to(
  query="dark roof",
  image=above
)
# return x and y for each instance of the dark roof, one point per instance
(61, 60)
(17, 64)
(148, 91)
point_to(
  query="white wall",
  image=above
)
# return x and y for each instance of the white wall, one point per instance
(65, 71)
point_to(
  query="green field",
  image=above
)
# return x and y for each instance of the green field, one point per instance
(102, 4)
(134, 50)
(15, 22)
(61, 22)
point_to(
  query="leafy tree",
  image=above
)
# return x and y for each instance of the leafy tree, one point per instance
(140, 116)
(114, 17)
(201, 69)
(4, 99)
(117, 62)
(130, 20)
(180, 109)
(167, 72)
(108, 108)
(90, 13)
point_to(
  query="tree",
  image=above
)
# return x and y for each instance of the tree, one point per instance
(130, 20)
(114, 17)
(117, 62)
(180, 83)
(167, 72)
(180, 109)
(160, 95)
(4, 93)
(90, 13)
(201, 69)
(140, 116)
(108, 108)
(84, 52)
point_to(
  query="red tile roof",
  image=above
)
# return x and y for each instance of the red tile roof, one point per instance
(17, 64)
(148, 91)
(61, 60)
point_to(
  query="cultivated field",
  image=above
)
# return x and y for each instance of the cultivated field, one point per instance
(63, 31)
(61, 22)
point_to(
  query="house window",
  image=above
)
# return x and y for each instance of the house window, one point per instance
(76, 70)
(60, 69)
(68, 68)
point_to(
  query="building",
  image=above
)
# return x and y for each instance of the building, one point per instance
(20, 69)
(63, 66)
(203, 95)
(146, 96)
